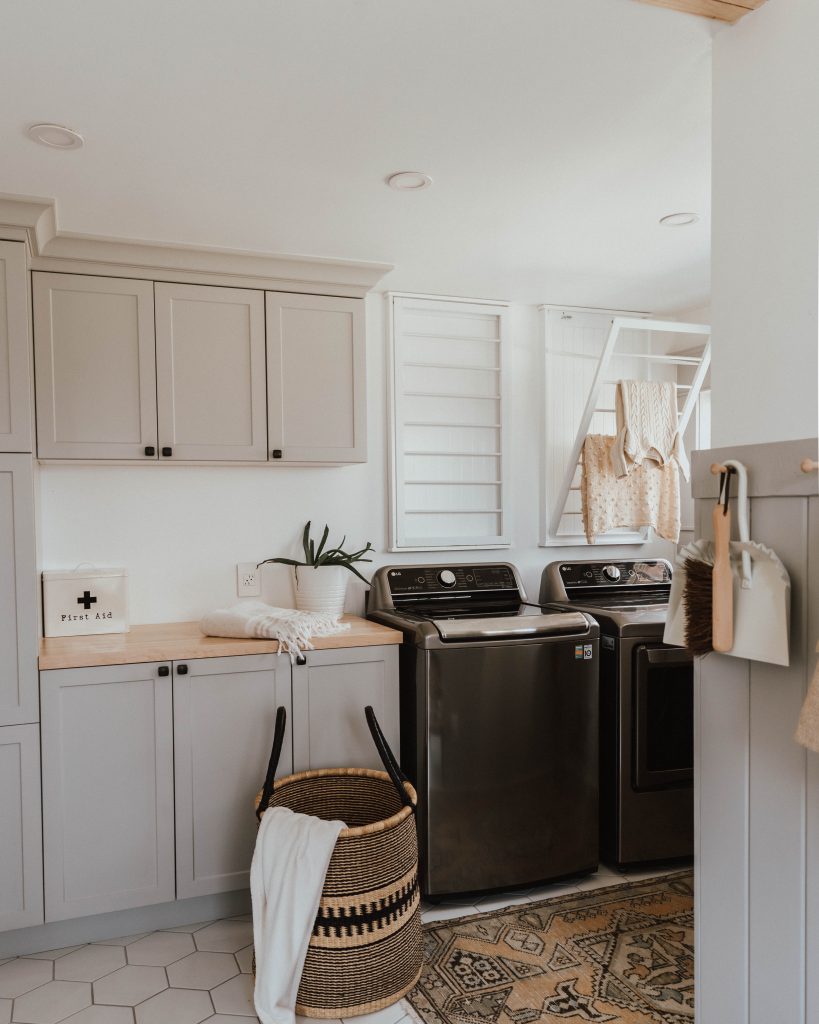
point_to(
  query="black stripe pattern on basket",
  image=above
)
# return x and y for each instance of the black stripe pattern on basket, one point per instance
(366, 917)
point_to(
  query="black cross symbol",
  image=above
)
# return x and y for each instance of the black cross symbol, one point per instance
(86, 600)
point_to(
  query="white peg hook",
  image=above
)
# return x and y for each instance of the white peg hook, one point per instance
(743, 519)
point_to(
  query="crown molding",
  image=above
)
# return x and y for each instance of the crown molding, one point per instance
(35, 220)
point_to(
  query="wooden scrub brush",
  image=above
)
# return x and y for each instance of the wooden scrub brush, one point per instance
(709, 622)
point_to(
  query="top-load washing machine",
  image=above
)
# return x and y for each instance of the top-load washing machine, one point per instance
(499, 735)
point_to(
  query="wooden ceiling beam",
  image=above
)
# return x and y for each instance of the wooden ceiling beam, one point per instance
(719, 10)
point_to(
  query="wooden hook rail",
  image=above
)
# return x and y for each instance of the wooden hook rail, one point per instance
(808, 465)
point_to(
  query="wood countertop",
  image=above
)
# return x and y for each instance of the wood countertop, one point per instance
(183, 641)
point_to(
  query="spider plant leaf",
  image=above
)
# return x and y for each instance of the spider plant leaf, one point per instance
(305, 538)
(322, 542)
(353, 569)
(281, 561)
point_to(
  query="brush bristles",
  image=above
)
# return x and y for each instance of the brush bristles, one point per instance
(698, 605)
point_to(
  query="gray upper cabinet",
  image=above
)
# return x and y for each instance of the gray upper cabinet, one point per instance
(316, 378)
(330, 691)
(210, 355)
(224, 716)
(21, 851)
(96, 367)
(19, 596)
(15, 362)
(108, 814)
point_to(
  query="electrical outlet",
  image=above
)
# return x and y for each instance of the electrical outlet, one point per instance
(248, 580)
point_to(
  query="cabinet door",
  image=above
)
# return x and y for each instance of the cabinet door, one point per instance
(108, 825)
(95, 367)
(21, 852)
(224, 717)
(316, 378)
(330, 692)
(210, 373)
(15, 379)
(18, 593)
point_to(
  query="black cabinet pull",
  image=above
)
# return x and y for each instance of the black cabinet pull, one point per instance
(181, 670)
(276, 453)
(301, 659)
(150, 450)
(167, 452)
(164, 670)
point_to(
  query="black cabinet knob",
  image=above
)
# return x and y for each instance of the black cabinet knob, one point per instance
(276, 453)
(181, 670)
(150, 451)
(301, 659)
(167, 452)
(164, 670)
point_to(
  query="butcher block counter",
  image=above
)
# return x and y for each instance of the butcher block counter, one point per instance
(178, 641)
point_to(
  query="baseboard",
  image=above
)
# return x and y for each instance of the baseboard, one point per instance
(123, 922)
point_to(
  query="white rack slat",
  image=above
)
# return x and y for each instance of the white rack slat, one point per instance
(439, 346)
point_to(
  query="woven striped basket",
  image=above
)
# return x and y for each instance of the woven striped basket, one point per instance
(365, 952)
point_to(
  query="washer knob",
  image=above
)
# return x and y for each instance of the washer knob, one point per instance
(446, 577)
(611, 572)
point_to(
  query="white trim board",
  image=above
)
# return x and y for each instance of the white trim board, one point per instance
(59, 251)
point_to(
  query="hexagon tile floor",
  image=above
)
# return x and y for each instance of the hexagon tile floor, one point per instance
(188, 975)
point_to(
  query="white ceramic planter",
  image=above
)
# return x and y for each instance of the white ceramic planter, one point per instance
(322, 588)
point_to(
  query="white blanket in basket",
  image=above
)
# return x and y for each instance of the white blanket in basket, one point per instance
(287, 875)
(291, 628)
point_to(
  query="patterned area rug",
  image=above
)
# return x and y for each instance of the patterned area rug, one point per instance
(623, 954)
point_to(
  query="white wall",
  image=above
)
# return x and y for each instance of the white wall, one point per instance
(180, 530)
(765, 241)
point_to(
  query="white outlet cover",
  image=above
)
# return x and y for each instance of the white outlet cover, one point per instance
(248, 580)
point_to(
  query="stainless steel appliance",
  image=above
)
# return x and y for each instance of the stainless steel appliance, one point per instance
(646, 707)
(498, 726)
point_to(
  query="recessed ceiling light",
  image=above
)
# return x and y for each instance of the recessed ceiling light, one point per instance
(679, 220)
(56, 135)
(409, 181)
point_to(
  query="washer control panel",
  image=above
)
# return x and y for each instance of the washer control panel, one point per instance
(614, 574)
(432, 579)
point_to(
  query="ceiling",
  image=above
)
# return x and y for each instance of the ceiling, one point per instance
(557, 133)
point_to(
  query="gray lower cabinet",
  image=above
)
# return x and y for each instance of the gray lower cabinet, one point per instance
(15, 360)
(108, 801)
(21, 850)
(224, 713)
(330, 691)
(18, 593)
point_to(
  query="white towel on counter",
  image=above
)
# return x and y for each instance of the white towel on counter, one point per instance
(287, 875)
(648, 496)
(647, 422)
(292, 629)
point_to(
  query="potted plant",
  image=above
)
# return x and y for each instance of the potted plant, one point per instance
(322, 584)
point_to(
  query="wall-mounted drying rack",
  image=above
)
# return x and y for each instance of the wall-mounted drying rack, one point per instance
(700, 364)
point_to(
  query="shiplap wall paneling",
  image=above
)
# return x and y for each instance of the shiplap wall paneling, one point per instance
(574, 341)
(95, 367)
(15, 361)
(19, 593)
(777, 789)
(316, 378)
(210, 360)
(757, 833)
(21, 842)
(449, 466)
(812, 777)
